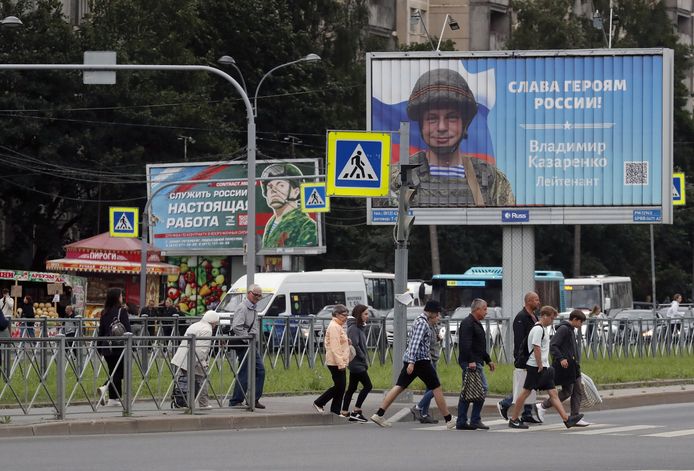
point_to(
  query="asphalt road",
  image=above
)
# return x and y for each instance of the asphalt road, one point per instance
(644, 438)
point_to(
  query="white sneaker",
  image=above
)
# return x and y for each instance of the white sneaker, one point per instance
(541, 411)
(113, 403)
(381, 421)
(450, 425)
(207, 407)
(583, 423)
(101, 392)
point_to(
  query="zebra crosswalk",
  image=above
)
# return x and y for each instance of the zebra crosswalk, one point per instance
(643, 430)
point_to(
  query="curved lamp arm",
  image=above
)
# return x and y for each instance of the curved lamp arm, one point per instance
(308, 58)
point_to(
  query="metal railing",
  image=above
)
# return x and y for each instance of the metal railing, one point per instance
(64, 373)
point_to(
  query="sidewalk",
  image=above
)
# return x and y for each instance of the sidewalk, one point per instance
(282, 411)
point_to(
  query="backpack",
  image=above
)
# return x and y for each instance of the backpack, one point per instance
(522, 355)
(116, 329)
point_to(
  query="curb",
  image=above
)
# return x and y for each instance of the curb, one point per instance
(166, 424)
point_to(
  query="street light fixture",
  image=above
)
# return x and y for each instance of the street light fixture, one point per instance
(307, 58)
(451, 24)
(417, 16)
(11, 22)
(228, 60)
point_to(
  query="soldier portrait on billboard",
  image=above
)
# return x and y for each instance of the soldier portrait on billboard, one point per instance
(288, 226)
(443, 106)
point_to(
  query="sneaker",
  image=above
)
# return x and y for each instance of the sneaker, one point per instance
(207, 407)
(479, 426)
(340, 415)
(583, 423)
(357, 417)
(503, 411)
(101, 392)
(113, 403)
(318, 408)
(258, 405)
(450, 425)
(427, 419)
(541, 411)
(416, 413)
(573, 420)
(380, 420)
(237, 405)
(530, 420)
(517, 424)
(464, 426)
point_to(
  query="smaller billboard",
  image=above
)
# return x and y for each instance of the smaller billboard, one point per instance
(212, 217)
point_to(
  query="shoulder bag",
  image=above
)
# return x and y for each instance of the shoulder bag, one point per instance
(472, 391)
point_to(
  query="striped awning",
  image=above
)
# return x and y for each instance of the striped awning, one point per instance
(98, 266)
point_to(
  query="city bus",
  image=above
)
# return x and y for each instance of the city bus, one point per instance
(610, 293)
(454, 291)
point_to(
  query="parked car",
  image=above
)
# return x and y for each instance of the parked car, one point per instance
(493, 324)
(413, 313)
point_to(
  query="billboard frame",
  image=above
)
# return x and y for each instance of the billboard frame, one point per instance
(537, 215)
(240, 251)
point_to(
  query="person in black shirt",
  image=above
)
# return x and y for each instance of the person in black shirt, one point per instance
(522, 323)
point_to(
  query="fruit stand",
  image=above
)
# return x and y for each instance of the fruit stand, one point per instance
(200, 285)
(114, 262)
(46, 290)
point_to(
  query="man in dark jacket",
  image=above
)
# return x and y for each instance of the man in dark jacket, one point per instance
(567, 367)
(472, 356)
(522, 323)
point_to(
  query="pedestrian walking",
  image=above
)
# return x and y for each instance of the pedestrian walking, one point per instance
(112, 313)
(27, 307)
(245, 323)
(202, 328)
(472, 355)
(336, 359)
(417, 364)
(539, 375)
(420, 411)
(522, 324)
(674, 315)
(359, 365)
(567, 365)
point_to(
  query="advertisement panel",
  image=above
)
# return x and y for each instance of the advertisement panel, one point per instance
(570, 135)
(212, 218)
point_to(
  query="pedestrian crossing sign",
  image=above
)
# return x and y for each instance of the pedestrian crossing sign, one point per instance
(358, 163)
(123, 222)
(678, 190)
(314, 198)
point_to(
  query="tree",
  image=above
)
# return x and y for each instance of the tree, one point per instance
(552, 24)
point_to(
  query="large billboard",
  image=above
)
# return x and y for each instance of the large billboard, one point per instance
(535, 137)
(212, 218)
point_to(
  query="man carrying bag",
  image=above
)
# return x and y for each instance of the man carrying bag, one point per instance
(472, 357)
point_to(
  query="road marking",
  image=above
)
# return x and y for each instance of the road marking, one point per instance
(628, 428)
(674, 433)
(399, 415)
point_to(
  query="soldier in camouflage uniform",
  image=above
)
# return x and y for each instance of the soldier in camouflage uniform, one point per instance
(443, 105)
(288, 226)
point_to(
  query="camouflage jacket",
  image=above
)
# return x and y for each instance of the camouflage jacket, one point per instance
(455, 192)
(295, 229)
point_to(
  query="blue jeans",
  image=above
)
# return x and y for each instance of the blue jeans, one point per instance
(242, 379)
(475, 416)
(425, 401)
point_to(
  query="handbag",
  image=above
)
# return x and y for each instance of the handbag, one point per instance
(591, 396)
(472, 390)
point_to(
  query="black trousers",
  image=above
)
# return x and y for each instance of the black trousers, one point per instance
(354, 380)
(336, 392)
(115, 387)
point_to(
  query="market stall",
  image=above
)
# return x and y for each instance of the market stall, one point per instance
(114, 262)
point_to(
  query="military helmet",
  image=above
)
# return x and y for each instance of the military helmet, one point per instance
(279, 170)
(441, 88)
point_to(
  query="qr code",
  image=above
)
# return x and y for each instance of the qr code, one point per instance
(636, 173)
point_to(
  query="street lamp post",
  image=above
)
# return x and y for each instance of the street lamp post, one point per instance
(251, 249)
(308, 58)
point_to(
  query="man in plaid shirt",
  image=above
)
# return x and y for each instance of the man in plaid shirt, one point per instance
(417, 364)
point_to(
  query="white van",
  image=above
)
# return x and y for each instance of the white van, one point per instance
(306, 293)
